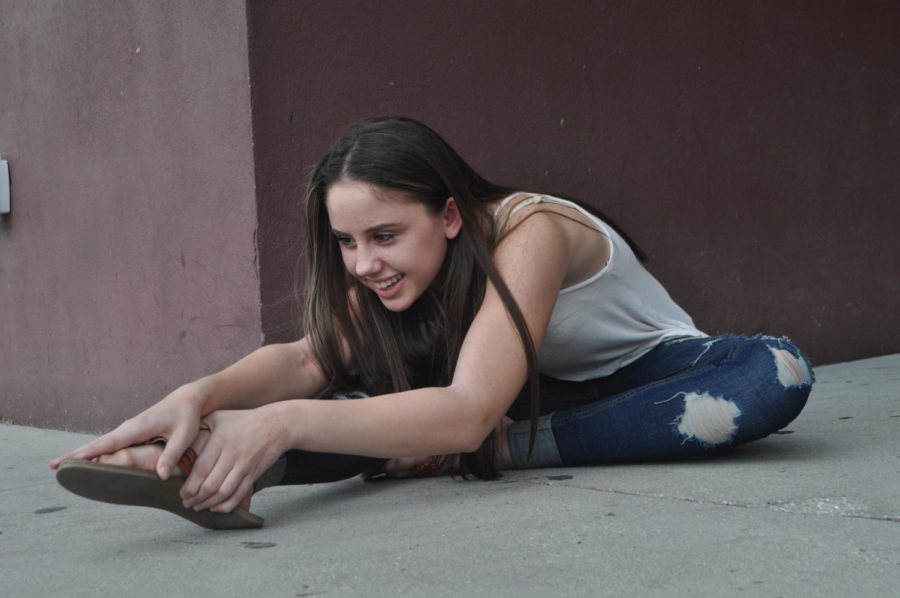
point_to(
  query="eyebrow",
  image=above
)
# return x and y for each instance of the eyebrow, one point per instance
(371, 229)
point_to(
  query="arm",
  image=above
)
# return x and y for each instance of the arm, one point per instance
(269, 374)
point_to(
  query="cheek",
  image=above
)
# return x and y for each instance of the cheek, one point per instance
(347, 258)
(436, 251)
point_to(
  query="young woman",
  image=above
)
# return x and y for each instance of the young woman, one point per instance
(489, 328)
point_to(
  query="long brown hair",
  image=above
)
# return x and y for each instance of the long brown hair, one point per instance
(419, 347)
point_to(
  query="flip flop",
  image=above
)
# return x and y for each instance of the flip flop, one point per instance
(133, 486)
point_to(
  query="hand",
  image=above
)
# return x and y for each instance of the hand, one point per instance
(175, 418)
(241, 447)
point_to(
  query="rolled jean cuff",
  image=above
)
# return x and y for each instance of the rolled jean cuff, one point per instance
(545, 453)
(272, 476)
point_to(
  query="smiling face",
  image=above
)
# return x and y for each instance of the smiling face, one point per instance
(392, 244)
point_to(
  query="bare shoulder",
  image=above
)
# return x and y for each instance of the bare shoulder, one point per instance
(527, 224)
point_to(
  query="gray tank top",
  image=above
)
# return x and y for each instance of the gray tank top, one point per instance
(609, 320)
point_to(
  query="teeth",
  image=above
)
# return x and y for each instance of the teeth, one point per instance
(389, 282)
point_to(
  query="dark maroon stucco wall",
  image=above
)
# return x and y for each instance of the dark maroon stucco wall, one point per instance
(750, 148)
(127, 264)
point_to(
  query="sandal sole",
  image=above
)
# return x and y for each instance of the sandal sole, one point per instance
(136, 487)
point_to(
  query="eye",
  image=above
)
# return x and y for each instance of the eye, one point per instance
(383, 237)
(344, 241)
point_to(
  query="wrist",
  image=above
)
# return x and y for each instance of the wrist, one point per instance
(197, 395)
(286, 423)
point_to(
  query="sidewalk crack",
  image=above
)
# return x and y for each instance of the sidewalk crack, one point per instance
(828, 506)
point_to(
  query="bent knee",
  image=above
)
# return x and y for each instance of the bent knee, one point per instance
(784, 389)
(790, 369)
(781, 359)
(707, 419)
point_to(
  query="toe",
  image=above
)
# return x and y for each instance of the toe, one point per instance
(121, 458)
(142, 456)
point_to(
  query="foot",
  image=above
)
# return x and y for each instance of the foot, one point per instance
(145, 456)
(438, 465)
(422, 467)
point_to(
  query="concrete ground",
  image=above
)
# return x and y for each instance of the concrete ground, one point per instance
(811, 511)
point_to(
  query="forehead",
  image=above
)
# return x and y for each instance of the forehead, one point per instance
(354, 204)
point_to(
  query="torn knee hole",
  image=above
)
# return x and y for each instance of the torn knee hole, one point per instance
(708, 419)
(791, 370)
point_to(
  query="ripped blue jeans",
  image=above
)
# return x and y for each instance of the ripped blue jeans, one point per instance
(687, 397)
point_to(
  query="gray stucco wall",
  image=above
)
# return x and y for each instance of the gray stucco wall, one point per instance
(127, 265)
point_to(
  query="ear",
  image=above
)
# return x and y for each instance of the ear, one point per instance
(452, 219)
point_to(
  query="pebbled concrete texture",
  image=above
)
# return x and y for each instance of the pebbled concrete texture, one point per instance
(811, 511)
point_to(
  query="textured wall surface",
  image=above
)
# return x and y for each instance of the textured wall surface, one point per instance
(750, 148)
(127, 265)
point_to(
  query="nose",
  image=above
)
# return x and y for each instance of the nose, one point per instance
(367, 262)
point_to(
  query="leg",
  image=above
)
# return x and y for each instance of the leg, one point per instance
(685, 398)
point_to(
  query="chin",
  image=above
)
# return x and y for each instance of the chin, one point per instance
(396, 306)
(399, 304)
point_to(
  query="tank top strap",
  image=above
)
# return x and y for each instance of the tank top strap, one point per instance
(527, 199)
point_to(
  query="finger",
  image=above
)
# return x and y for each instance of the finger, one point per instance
(224, 492)
(122, 437)
(245, 488)
(218, 486)
(54, 463)
(202, 468)
(92, 449)
(181, 439)
(211, 469)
